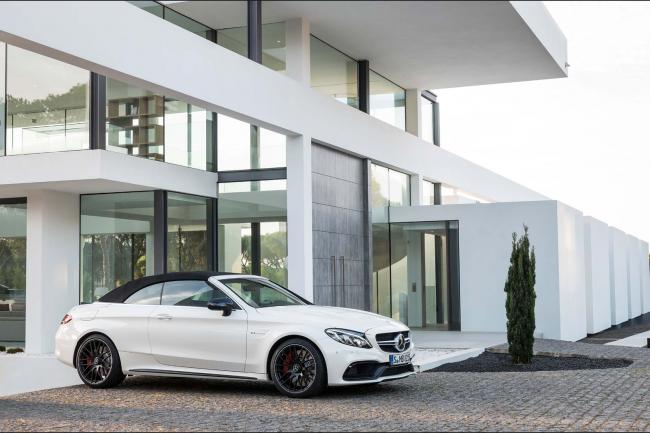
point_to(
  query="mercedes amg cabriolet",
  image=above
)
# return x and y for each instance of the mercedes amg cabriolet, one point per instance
(216, 325)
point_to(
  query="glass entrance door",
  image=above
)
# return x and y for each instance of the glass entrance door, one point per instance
(423, 267)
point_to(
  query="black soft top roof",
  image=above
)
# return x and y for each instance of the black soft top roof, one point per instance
(122, 293)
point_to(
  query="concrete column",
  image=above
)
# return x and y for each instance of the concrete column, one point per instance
(413, 112)
(299, 216)
(52, 265)
(298, 50)
(416, 190)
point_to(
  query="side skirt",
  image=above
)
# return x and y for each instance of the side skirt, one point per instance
(172, 373)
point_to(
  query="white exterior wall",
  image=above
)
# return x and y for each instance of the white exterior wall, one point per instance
(571, 269)
(52, 265)
(597, 281)
(618, 276)
(485, 244)
(645, 276)
(634, 300)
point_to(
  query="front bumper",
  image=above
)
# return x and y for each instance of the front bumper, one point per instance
(348, 365)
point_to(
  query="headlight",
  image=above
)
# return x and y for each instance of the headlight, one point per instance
(350, 338)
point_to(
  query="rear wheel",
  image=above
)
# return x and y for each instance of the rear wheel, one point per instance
(298, 369)
(98, 362)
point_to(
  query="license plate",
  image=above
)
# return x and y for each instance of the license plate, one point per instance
(402, 358)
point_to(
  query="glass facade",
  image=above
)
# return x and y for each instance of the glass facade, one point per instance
(423, 269)
(273, 43)
(245, 147)
(389, 187)
(187, 233)
(333, 73)
(429, 119)
(428, 193)
(46, 104)
(3, 63)
(117, 241)
(387, 101)
(13, 247)
(252, 231)
(144, 124)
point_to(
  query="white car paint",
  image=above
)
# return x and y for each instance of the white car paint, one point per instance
(165, 340)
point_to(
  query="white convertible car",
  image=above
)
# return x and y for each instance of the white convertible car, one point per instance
(215, 325)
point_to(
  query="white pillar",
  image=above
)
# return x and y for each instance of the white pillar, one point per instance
(299, 216)
(52, 265)
(298, 52)
(413, 112)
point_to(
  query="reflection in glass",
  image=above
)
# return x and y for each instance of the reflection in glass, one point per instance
(244, 147)
(428, 193)
(387, 101)
(333, 73)
(116, 241)
(187, 134)
(13, 245)
(47, 104)
(187, 233)
(235, 39)
(274, 49)
(389, 187)
(152, 7)
(134, 120)
(186, 23)
(3, 52)
(252, 233)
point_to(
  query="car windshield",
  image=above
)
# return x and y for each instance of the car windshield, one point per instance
(259, 294)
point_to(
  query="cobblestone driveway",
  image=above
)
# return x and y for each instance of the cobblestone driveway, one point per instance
(615, 399)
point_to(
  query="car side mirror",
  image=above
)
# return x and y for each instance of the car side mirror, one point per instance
(219, 305)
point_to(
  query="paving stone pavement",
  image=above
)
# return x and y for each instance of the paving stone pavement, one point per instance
(613, 399)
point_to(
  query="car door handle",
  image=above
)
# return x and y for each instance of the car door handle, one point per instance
(164, 317)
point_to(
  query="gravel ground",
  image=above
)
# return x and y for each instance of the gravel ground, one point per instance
(499, 362)
(610, 399)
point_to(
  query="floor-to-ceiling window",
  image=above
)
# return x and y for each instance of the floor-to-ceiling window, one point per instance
(13, 246)
(428, 193)
(3, 65)
(187, 233)
(142, 123)
(242, 146)
(117, 241)
(252, 233)
(46, 104)
(389, 188)
(333, 73)
(429, 118)
(387, 101)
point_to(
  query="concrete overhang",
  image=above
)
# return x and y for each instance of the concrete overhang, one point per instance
(98, 171)
(421, 44)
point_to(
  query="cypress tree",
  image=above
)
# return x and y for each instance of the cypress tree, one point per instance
(520, 299)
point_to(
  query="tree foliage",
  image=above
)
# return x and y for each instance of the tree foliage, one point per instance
(520, 299)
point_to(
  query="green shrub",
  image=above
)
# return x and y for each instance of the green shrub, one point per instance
(3, 349)
(14, 350)
(520, 299)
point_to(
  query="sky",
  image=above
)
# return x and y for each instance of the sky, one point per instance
(583, 140)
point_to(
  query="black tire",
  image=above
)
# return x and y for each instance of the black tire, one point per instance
(98, 362)
(298, 369)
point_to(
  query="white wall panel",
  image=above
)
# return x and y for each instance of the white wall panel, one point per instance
(645, 276)
(618, 275)
(597, 283)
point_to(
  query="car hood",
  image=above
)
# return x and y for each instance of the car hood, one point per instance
(329, 317)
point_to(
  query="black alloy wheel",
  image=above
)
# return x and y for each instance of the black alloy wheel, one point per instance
(98, 362)
(298, 369)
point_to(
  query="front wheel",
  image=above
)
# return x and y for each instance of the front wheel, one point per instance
(298, 369)
(98, 362)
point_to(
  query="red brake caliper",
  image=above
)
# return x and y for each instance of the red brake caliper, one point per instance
(287, 362)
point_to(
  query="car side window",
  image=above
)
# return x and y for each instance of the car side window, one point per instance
(192, 293)
(149, 295)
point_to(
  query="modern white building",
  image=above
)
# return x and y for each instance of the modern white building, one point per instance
(294, 139)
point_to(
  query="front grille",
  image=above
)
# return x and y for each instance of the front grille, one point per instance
(371, 370)
(386, 341)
